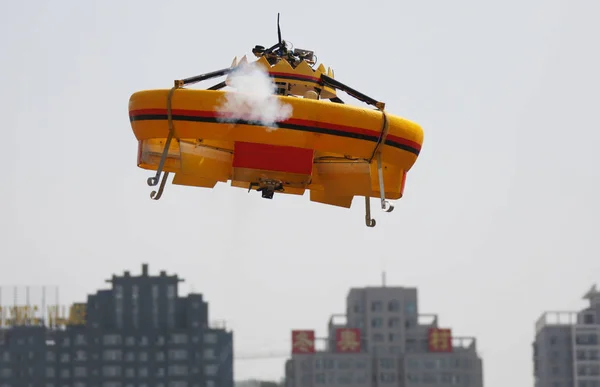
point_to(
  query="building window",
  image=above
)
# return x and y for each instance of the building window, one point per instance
(394, 306)
(143, 341)
(394, 322)
(387, 377)
(376, 306)
(80, 339)
(178, 370)
(320, 378)
(344, 378)
(130, 341)
(80, 371)
(344, 364)
(112, 355)
(179, 338)
(119, 305)
(429, 378)
(377, 322)
(178, 354)
(160, 340)
(210, 370)
(586, 339)
(209, 353)
(143, 356)
(155, 305)
(210, 338)
(111, 371)
(429, 364)
(111, 340)
(386, 363)
(378, 337)
(80, 355)
(588, 318)
(360, 364)
(134, 306)
(171, 293)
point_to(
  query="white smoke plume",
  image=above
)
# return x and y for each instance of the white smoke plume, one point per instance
(253, 99)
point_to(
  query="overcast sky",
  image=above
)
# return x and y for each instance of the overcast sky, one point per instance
(500, 215)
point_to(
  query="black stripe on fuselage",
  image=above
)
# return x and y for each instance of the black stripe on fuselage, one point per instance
(303, 128)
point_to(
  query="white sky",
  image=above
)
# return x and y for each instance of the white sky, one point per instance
(498, 219)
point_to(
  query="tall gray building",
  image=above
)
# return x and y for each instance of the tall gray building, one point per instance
(383, 340)
(139, 333)
(566, 346)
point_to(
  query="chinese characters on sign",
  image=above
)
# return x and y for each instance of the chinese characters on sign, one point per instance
(55, 316)
(303, 341)
(347, 340)
(440, 340)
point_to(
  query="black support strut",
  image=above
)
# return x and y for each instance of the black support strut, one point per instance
(328, 81)
(203, 77)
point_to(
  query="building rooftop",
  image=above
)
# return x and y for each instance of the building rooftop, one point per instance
(568, 318)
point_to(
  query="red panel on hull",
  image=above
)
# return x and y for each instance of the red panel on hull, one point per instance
(273, 158)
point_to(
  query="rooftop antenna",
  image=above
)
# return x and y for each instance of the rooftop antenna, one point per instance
(383, 278)
(278, 30)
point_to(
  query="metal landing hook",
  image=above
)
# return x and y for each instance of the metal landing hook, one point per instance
(152, 181)
(385, 205)
(156, 195)
(368, 220)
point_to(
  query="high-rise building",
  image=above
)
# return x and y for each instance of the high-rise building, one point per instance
(138, 333)
(566, 347)
(383, 340)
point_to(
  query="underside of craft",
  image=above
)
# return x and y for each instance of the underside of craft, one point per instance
(334, 150)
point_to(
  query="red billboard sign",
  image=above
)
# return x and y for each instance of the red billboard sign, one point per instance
(440, 340)
(347, 340)
(303, 341)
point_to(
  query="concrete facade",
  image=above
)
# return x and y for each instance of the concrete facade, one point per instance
(395, 348)
(566, 347)
(139, 333)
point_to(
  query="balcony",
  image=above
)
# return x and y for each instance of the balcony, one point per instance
(464, 344)
(555, 319)
(428, 320)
